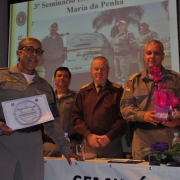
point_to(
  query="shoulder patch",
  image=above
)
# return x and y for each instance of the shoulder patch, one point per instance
(116, 85)
(133, 76)
(176, 73)
(86, 85)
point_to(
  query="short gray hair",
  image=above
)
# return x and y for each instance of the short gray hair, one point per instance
(155, 42)
(100, 57)
(21, 43)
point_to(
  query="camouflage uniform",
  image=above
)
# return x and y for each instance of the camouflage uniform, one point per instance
(52, 56)
(124, 45)
(144, 37)
(64, 104)
(22, 151)
(138, 97)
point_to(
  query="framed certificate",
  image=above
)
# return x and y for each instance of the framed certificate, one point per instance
(26, 112)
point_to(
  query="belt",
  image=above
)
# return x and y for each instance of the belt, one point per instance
(72, 137)
(30, 129)
(147, 126)
(76, 137)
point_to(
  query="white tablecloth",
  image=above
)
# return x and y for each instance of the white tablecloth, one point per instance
(99, 169)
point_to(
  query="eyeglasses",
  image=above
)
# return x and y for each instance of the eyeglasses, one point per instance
(30, 50)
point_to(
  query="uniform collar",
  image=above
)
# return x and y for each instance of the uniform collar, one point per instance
(103, 85)
(67, 93)
(165, 72)
(57, 35)
(15, 70)
(108, 85)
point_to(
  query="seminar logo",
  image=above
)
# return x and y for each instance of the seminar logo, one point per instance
(21, 18)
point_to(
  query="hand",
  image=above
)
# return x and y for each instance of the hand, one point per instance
(103, 141)
(73, 155)
(172, 122)
(5, 129)
(149, 116)
(93, 140)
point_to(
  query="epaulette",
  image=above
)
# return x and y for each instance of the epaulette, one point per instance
(133, 76)
(75, 91)
(86, 85)
(176, 73)
(116, 85)
(11, 80)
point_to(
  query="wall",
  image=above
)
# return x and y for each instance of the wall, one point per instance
(3, 32)
(178, 12)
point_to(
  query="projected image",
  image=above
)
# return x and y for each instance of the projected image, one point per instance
(119, 34)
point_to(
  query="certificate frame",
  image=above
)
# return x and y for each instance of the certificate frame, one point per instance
(26, 112)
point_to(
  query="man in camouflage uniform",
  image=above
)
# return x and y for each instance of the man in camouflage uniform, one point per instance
(53, 52)
(144, 36)
(65, 99)
(137, 103)
(124, 45)
(21, 150)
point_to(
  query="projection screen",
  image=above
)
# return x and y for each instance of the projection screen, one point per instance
(87, 29)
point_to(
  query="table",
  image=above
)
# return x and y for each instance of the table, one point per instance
(100, 169)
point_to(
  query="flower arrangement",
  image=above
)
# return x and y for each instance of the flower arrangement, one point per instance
(159, 149)
(164, 101)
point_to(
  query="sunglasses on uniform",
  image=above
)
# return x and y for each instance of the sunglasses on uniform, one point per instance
(30, 50)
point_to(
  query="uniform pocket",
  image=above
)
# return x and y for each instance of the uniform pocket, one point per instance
(10, 91)
(70, 101)
(13, 86)
(140, 95)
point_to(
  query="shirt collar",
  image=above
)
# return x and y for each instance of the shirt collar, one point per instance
(164, 72)
(67, 93)
(103, 85)
(108, 85)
